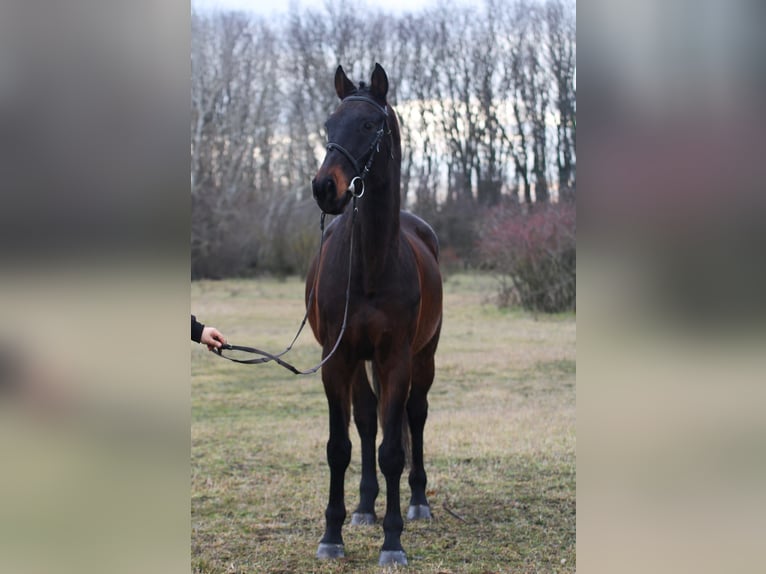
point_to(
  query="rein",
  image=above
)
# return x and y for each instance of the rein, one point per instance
(265, 356)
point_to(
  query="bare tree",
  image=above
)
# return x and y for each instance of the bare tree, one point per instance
(515, 79)
(459, 114)
(537, 92)
(561, 49)
(420, 164)
(233, 125)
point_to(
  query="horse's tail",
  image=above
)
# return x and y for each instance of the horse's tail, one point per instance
(372, 376)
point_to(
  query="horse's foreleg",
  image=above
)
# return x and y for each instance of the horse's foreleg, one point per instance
(395, 381)
(366, 419)
(337, 384)
(417, 412)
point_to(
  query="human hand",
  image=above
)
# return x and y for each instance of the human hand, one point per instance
(212, 337)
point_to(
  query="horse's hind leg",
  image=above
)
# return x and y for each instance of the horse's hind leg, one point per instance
(417, 412)
(366, 419)
(336, 377)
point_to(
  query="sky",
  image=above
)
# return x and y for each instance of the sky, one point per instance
(267, 7)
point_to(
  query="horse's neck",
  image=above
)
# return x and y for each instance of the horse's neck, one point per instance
(379, 233)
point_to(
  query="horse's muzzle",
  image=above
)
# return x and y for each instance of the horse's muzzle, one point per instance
(327, 195)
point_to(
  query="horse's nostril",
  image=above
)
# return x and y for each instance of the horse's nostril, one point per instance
(323, 188)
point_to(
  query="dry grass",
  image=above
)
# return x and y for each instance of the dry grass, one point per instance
(500, 442)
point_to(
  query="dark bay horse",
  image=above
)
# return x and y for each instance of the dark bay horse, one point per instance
(394, 313)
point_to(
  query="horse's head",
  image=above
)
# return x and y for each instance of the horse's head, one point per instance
(356, 132)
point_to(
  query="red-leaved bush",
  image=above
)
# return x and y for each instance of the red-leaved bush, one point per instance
(534, 253)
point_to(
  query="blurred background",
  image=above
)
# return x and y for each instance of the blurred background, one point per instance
(94, 283)
(671, 279)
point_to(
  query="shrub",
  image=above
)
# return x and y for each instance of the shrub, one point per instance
(534, 253)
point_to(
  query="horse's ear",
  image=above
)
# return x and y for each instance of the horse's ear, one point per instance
(379, 83)
(343, 86)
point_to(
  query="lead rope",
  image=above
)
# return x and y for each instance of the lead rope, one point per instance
(266, 356)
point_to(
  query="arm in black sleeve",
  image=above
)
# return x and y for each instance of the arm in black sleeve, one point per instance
(196, 329)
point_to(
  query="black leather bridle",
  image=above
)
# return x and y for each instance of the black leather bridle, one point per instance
(374, 147)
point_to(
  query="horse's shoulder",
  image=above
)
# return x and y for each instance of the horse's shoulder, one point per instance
(413, 225)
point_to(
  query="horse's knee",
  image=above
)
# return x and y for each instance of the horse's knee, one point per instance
(391, 458)
(366, 424)
(417, 412)
(339, 452)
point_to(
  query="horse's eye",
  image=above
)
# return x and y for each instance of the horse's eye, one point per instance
(368, 126)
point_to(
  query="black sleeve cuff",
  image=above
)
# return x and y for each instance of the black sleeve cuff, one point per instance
(196, 329)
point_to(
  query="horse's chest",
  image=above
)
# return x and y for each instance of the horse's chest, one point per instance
(374, 328)
(381, 313)
(372, 320)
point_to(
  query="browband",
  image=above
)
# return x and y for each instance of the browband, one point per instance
(358, 98)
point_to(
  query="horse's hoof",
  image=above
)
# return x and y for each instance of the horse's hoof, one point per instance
(419, 512)
(330, 551)
(363, 518)
(392, 557)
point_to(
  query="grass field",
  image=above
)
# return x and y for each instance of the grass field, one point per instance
(499, 442)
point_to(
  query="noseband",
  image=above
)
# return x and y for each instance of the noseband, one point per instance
(374, 147)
